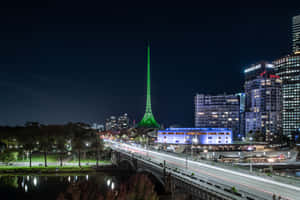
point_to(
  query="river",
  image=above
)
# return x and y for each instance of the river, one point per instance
(50, 187)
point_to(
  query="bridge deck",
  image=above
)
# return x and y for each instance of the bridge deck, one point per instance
(258, 186)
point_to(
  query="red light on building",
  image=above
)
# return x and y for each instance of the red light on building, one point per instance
(274, 76)
(264, 72)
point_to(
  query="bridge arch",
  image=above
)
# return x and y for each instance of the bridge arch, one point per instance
(155, 178)
(127, 164)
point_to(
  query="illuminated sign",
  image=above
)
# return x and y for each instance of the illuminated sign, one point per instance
(274, 76)
(269, 66)
(195, 135)
(253, 68)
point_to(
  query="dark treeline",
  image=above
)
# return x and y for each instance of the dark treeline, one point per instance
(69, 140)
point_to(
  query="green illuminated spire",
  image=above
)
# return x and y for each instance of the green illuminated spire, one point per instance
(148, 120)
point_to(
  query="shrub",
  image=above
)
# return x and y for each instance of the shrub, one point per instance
(8, 156)
(234, 189)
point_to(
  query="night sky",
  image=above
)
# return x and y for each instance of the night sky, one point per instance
(64, 61)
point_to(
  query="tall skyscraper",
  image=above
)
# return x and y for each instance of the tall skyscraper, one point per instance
(288, 68)
(296, 34)
(123, 121)
(148, 120)
(111, 124)
(263, 100)
(219, 111)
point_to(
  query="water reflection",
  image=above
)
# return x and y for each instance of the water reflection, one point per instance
(35, 181)
(139, 186)
(89, 186)
(49, 187)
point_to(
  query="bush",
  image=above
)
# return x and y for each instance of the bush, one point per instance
(269, 174)
(234, 189)
(8, 156)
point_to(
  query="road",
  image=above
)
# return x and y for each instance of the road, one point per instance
(26, 164)
(262, 187)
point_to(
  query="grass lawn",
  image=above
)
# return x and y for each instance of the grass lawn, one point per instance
(49, 169)
(40, 158)
(90, 161)
(55, 158)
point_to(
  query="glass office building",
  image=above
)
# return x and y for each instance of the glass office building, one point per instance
(218, 111)
(288, 68)
(296, 34)
(263, 104)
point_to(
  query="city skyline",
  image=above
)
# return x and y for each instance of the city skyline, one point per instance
(56, 67)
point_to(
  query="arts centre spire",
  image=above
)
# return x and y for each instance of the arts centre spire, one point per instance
(148, 120)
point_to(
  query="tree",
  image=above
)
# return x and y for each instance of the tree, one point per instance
(45, 138)
(28, 139)
(258, 136)
(61, 141)
(249, 134)
(98, 145)
(139, 187)
(78, 132)
(28, 144)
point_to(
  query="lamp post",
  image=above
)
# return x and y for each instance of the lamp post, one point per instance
(186, 161)
(147, 146)
(251, 154)
(194, 141)
(271, 161)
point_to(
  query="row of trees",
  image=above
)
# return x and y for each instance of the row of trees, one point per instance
(62, 139)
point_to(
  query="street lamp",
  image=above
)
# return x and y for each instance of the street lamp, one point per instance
(195, 141)
(206, 153)
(147, 146)
(186, 161)
(251, 154)
(271, 161)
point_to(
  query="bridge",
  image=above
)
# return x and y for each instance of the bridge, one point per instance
(200, 180)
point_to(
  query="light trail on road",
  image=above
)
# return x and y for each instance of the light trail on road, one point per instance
(250, 183)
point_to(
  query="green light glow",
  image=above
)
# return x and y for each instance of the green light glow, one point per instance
(148, 120)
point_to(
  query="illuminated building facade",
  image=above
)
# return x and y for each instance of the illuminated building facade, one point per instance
(296, 34)
(263, 103)
(98, 127)
(195, 136)
(123, 121)
(288, 68)
(111, 124)
(219, 111)
(114, 123)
